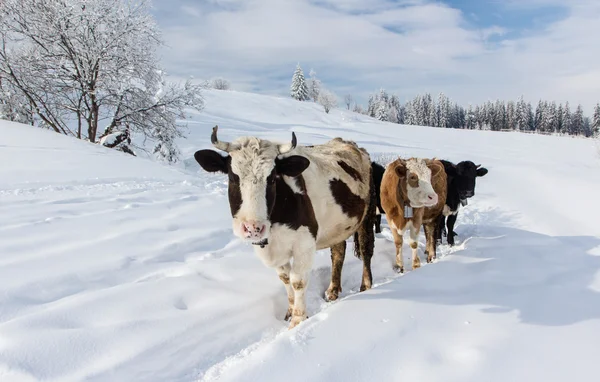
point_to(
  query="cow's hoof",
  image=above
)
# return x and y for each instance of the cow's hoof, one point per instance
(416, 263)
(398, 268)
(332, 293)
(288, 315)
(365, 286)
(296, 320)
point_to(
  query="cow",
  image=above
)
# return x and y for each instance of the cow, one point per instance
(413, 193)
(378, 171)
(461, 186)
(290, 200)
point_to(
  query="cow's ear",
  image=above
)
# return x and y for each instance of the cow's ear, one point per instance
(435, 166)
(401, 170)
(291, 166)
(482, 171)
(450, 168)
(212, 161)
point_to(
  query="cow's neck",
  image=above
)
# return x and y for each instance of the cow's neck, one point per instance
(406, 209)
(452, 198)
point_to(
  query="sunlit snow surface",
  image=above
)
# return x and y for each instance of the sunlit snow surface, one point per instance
(114, 268)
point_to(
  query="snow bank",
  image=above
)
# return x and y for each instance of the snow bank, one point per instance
(116, 268)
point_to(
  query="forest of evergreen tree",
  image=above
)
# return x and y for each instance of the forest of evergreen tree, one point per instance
(424, 110)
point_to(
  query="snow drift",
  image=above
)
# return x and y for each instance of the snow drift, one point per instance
(117, 268)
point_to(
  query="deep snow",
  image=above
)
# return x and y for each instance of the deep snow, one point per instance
(114, 268)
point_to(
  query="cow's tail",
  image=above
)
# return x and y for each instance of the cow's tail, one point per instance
(364, 237)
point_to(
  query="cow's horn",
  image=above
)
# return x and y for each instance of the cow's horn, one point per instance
(225, 146)
(288, 146)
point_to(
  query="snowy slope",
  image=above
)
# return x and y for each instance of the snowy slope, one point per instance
(116, 268)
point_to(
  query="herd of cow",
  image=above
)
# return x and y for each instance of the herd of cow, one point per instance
(291, 200)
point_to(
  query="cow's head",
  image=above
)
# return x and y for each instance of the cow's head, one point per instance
(464, 175)
(254, 167)
(415, 179)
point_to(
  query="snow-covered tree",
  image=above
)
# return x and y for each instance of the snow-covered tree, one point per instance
(314, 85)
(596, 120)
(530, 117)
(348, 100)
(566, 120)
(470, 120)
(577, 121)
(220, 84)
(91, 63)
(443, 111)
(359, 109)
(13, 106)
(327, 99)
(394, 110)
(559, 119)
(299, 89)
(521, 115)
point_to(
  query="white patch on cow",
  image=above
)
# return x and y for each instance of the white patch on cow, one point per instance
(447, 211)
(253, 163)
(419, 196)
(293, 183)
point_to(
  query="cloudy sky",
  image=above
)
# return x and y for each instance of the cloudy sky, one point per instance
(472, 50)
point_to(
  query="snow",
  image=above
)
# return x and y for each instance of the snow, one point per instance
(117, 268)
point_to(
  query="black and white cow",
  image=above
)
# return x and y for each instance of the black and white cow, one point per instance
(461, 186)
(290, 201)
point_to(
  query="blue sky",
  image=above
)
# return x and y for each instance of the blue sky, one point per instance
(472, 50)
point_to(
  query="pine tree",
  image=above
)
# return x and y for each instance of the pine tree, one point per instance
(521, 115)
(567, 119)
(510, 115)
(470, 118)
(539, 116)
(299, 90)
(443, 110)
(559, 119)
(596, 120)
(530, 117)
(577, 122)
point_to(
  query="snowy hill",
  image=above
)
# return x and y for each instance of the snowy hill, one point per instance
(116, 268)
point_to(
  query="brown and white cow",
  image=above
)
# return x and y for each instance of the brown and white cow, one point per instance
(290, 201)
(413, 193)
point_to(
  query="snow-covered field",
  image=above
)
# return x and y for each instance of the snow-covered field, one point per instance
(114, 268)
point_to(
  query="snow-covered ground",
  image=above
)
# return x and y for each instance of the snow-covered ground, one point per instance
(114, 268)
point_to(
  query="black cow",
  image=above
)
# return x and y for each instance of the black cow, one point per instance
(378, 171)
(461, 186)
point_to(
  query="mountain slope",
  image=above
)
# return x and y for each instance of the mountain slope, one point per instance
(117, 268)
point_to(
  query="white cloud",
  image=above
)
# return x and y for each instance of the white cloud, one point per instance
(408, 47)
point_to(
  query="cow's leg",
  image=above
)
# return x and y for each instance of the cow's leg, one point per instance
(365, 238)
(299, 277)
(338, 253)
(451, 233)
(414, 245)
(398, 241)
(378, 223)
(284, 275)
(429, 241)
(439, 229)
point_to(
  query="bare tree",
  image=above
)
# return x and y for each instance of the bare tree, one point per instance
(83, 63)
(327, 99)
(220, 84)
(348, 100)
